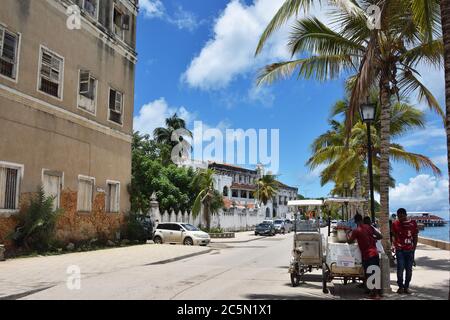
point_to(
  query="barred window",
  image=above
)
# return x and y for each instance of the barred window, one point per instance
(9, 187)
(9, 43)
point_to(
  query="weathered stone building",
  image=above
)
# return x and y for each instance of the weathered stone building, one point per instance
(67, 72)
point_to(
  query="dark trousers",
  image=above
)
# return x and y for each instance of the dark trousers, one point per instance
(405, 260)
(373, 261)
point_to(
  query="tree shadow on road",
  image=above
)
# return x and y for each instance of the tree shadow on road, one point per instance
(433, 264)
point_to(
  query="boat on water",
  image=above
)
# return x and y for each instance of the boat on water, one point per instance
(426, 219)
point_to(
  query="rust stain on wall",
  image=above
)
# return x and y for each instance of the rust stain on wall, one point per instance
(73, 226)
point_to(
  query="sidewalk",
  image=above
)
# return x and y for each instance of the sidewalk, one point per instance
(25, 275)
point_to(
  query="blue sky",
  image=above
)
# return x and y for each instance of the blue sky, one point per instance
(196, 58)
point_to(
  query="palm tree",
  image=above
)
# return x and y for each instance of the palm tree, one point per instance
(384, 59)
(267, 187)
(445, 17)
(208, 198)
(345, 159)
(164, 136)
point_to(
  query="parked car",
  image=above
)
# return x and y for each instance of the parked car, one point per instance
(265, 228)
(175, 232)
(289, 225)
(280, 226)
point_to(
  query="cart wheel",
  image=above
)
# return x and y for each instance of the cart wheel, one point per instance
(295, 279)
(324, 278)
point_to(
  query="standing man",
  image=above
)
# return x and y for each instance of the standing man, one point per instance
(367, 242)
(405, 234)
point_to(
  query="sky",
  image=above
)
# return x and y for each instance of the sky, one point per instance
(196, 58)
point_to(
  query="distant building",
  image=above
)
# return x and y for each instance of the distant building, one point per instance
(236, 184)
(285, 193)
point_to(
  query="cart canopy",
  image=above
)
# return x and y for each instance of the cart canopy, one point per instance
(305, 203)
(344, 200)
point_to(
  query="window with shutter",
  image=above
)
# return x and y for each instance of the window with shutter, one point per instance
(113, 197)
(52, 184)
(90, 6)
(51, 73)
(115, 106)
(87, 92)
(9, 187)
(85, 194)
(118, 23)
(8, 53)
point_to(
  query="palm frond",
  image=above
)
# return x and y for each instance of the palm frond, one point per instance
(289, 9)
(408, 83)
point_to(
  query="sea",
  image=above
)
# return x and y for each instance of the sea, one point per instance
(437, 233)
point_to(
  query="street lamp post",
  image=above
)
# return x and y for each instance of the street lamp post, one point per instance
(367, 112)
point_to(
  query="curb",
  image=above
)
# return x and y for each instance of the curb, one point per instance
(24, 294)
(244, 241)
(179, 258)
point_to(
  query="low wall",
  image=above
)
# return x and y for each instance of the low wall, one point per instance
(227, 235)
(232, 220)
(435, 243)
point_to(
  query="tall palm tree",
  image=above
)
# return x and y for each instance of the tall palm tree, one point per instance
(384, 59)
(445, 17)
(207, 197)
(165, 135)
(267, 187)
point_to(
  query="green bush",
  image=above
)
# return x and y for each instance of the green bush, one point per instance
(212, 230)
(136, 227)
(36, 224)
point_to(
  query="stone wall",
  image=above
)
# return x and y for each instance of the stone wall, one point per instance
(72, 226)
(435, 243)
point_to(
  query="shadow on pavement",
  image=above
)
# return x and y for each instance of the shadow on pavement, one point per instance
(281, 297)
(433, 264)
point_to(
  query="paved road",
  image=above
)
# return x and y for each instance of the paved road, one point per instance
(253, 270)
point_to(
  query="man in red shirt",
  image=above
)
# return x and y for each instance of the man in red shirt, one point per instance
(405, 235)
(367, 238)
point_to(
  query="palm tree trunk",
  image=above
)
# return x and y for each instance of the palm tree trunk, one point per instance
(385, 92)
(445, 16)
(207, 217)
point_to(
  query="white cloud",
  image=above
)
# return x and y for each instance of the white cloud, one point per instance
(153, 115)
(261, 95)
(152, 8)
(432, 134)
(434, 80)
(231, 50)
(182, 19)
(421, 193)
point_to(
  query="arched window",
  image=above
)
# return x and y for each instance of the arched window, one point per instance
(225, 191)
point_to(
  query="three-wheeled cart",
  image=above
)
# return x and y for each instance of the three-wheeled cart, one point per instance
(343, 260)
(308, 251)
